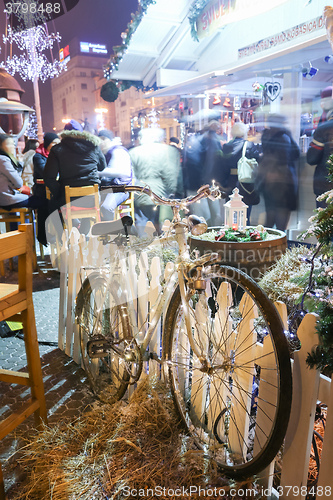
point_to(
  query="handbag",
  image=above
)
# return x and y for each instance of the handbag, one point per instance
(246, 167)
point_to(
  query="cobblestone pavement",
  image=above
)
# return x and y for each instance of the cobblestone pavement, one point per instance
(66, 390)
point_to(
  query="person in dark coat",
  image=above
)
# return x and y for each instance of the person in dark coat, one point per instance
(226, 171)
(38, 189)
(321, 147)
(200, 157)
(277, 178)
(74, 162)
(39, 162)
(192, 168)
(117, 172)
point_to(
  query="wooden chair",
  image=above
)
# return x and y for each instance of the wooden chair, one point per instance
(16, 304)
(125, 208)
(20, 216)
(73, 212)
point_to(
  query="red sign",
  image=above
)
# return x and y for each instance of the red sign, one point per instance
(63, 53)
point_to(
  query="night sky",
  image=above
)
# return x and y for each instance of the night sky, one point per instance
(95, 21)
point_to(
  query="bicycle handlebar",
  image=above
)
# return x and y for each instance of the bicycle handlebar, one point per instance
(204, 192)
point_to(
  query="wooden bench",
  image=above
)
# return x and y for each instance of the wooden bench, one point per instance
(16, 304)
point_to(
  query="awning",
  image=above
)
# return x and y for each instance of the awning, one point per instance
(273, 64)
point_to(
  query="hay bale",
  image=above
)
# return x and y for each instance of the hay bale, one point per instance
(135, 446)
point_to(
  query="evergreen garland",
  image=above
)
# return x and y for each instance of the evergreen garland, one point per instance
(321, 357)
(322, 222)
(110, 90)
(195, 10)
(120, 50)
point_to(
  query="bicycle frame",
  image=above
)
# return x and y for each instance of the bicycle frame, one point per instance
(164, 297)
(180, 271)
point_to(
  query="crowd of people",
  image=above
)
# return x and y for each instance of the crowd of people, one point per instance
(274, 179)
(77, 158)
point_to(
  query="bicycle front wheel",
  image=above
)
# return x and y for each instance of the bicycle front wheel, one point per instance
(235, 398)
(105, 337)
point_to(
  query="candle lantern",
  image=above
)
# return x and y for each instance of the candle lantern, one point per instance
(235, 211)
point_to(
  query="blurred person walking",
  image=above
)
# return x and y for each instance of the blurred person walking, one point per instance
(321, 147)
(118, 171)
(200, 160)
(156, 165)
(277, 178)
(226, 173)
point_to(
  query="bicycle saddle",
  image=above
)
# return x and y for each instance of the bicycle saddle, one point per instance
(111, 227)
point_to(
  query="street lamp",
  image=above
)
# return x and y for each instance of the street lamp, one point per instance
(100, 118)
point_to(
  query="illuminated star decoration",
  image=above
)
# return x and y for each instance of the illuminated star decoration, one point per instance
(34, 64)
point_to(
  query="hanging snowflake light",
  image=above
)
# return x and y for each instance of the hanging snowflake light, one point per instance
(34, 64)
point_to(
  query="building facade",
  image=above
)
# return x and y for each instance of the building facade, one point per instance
(73, 91)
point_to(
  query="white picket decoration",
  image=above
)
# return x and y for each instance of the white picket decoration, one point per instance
(308, 385)
(73, 266)
(154, 292)
(305, 394)
(143, 287)
(63, 264)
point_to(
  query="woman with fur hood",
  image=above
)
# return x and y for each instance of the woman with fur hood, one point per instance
(74, 162)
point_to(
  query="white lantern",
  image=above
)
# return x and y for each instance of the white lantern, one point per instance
(235, 211)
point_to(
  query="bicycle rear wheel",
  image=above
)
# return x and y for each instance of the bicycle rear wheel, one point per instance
(105, 336)
(235, 399)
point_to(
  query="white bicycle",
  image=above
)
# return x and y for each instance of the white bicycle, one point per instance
(224, 350)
